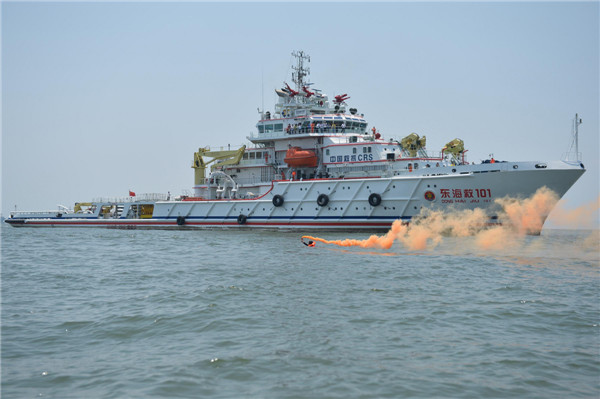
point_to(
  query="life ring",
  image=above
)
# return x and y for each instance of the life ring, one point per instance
(180, 220)
(242, 219)
(278, 200)
(374, 199)
(322, 200)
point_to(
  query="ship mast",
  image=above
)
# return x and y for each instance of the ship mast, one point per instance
(576, 138)
(300, 71)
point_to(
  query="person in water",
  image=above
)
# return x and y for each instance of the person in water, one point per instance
(310, 243)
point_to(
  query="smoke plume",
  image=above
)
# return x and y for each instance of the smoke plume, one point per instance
(585, 216)
(517, 219)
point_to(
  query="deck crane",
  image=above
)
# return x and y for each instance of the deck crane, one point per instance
(222, 158)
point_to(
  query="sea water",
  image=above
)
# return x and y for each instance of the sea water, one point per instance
(95, 313)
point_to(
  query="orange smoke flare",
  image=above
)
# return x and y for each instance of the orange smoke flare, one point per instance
(383, 242)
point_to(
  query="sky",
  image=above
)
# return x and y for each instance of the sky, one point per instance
(102, 98)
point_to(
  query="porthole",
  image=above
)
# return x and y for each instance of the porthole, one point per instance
(515, 166)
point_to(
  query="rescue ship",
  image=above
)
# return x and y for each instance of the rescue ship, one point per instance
(315, 163)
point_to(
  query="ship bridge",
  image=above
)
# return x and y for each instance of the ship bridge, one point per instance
(312, 125)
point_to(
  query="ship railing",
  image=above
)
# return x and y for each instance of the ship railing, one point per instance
(35, 213)
(305, 130)
(250, 180)
(150, 197)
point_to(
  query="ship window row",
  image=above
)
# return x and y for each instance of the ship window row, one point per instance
(316, 127)
(318, 118)
(254, 155)
(270, 128)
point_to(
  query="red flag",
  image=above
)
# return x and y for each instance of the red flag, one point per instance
(131, 193)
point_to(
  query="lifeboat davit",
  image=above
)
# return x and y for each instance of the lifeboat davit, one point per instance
(297, 157)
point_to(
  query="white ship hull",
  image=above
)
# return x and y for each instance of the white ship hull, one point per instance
(348, 206)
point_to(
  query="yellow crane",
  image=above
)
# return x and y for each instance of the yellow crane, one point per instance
(230, 157)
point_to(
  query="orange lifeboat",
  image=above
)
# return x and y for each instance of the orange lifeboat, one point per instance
(297, 157)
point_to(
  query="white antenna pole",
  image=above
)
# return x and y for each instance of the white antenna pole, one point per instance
(577, 123)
